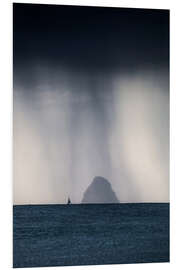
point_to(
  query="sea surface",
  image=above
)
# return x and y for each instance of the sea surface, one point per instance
(86, 234)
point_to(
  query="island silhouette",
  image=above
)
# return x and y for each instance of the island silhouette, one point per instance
(100, 191)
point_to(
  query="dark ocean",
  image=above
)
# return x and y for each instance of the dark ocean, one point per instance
(59, 235)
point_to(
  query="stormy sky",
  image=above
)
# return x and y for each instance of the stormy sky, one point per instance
(91, 99)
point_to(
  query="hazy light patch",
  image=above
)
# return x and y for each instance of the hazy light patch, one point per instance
(41, 161)
(141, 132)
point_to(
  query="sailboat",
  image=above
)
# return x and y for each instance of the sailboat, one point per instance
(69, 201)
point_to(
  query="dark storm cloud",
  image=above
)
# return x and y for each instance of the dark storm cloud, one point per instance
(90, 37)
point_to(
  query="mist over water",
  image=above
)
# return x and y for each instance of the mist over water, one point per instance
(70, 127)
